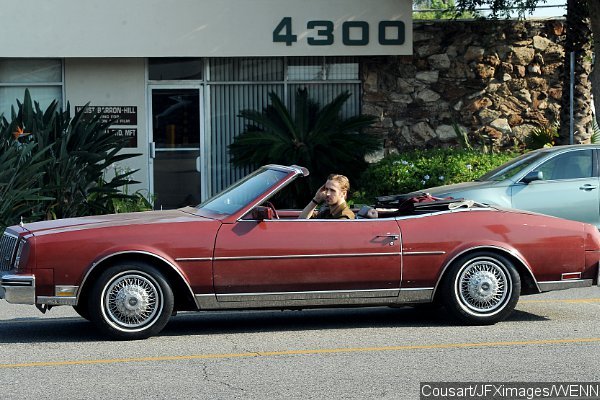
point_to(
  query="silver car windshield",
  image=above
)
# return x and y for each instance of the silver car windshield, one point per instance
(513, 167)
(243, 192)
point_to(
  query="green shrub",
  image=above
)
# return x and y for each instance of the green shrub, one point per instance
(20, 170)
(544, 136)
(57, 164)
(421, 169)
(313, 136)
(123, 201)
(595, 139)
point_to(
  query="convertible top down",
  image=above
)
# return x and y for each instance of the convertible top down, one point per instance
(128, 273)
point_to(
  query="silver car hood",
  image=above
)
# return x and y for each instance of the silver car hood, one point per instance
(449, 190)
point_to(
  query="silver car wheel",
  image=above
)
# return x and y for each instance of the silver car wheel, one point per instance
(131, 301)
(483, 286)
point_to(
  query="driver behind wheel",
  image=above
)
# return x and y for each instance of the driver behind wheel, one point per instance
(333, 193)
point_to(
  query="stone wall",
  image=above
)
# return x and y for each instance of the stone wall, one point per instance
(494, 80)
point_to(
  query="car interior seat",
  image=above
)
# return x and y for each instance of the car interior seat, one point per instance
(570, 168)
(367, 212)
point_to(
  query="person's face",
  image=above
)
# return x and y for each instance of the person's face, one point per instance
(333, 193)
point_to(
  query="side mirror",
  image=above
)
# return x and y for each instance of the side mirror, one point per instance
(260, 213)
(533, 176)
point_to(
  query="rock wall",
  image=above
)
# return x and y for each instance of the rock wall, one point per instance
(496, 81)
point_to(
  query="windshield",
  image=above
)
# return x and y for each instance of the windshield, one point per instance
(243, 192)
(513, 167)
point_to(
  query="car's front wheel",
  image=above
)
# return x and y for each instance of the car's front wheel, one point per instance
(482, 288)
(131, 300)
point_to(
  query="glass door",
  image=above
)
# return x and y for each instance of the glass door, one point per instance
(175, 145)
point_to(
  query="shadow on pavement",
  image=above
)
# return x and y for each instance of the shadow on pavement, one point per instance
(75, 329)
(346, 318)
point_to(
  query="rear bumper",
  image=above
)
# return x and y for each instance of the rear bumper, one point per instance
(18, 289)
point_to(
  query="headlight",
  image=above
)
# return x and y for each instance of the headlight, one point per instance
(22, 244)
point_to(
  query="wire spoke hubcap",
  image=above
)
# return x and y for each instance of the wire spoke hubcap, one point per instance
(483, 286)
(132, 300)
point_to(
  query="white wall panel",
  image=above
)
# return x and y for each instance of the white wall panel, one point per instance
(113, 82)
(194, 28)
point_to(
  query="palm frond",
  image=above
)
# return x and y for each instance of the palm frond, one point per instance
(318, 138)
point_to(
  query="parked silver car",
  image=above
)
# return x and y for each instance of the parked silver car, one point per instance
(561, 181)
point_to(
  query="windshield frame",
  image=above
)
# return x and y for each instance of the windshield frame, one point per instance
(266, 191)
(513, 169)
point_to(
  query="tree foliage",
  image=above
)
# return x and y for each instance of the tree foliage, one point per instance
(21, 168)
(439, 9)
(312, 136)
(500, 8)
(53, 165)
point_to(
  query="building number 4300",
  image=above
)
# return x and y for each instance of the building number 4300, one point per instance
(354, 33)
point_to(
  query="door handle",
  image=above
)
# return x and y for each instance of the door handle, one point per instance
(152, 150)
(588, 187)
(392, 236)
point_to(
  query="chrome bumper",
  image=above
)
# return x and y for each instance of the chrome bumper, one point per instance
(18, 289)
(567, 284)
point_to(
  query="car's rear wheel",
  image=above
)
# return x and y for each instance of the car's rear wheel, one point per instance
(82, 310)
(482, 288)
(131, 300)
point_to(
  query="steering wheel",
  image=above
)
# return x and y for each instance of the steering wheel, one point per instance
(272, 207)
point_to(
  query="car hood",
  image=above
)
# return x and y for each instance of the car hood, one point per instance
(449, 190)
(103, 221)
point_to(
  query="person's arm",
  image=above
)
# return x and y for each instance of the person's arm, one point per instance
(318, 199)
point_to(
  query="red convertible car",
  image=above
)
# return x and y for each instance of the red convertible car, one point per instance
(128, 273)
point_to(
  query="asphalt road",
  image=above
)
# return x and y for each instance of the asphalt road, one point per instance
(373, 353)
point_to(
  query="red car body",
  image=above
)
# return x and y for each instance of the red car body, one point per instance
(128, 273)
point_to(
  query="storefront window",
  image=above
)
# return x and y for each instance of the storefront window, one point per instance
(322, 69)
(233, 84)
(173, 69)
(226, 103)
(246, 69)
(324, 93)
(305, 69)
(43, 78)
(238, 84)
(341, 68)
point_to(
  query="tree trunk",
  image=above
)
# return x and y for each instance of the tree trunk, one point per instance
(594, 12)
(577, 42)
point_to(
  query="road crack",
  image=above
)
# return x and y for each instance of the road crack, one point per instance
(206, 377)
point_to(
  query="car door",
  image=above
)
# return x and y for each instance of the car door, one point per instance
(280, 260)
(569, 188)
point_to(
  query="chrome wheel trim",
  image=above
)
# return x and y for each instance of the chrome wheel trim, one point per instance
(132, 301)
(483, 286)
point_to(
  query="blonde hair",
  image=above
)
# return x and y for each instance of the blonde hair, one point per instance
(341, 180)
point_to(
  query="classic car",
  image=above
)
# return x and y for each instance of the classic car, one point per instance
(129, 273)
(563, 181)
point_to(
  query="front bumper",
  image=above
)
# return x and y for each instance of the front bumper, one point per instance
(18, 289)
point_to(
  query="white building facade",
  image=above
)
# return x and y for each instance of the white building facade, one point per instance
(176, 73)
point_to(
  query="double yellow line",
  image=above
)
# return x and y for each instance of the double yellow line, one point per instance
(302, 352)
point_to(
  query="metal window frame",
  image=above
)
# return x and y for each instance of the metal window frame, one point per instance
(206, 121)
(26, 85)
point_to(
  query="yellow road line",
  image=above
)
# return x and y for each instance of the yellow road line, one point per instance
(591, 300)
(301, 352)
